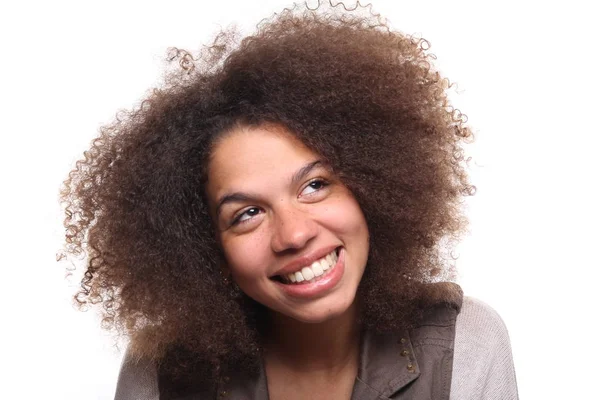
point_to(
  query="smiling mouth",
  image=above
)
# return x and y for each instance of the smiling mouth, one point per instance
(311, 273)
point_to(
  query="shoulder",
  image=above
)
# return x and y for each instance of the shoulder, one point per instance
(478, 323)
(137, 379)
(483, 364)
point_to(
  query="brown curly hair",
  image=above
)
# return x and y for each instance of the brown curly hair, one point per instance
(364, 97)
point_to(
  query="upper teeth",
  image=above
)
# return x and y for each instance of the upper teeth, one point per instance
(313, 270)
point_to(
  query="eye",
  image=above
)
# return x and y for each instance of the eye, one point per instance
(246, 215)
(313, 187)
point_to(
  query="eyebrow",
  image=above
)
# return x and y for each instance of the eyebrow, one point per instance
(302, 172)
(239, 197)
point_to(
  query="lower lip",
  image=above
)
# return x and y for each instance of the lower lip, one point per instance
(317, 288)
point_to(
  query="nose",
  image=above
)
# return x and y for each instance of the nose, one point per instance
(292, 230)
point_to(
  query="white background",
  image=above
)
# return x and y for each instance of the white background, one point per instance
(527, 75)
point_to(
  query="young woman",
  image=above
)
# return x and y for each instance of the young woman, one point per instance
(273, 223)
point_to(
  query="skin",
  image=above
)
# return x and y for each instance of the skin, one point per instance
(267, 219)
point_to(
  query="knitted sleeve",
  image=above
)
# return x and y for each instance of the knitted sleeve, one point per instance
(137, 380)
(483, 365)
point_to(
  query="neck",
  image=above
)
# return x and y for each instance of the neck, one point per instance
(328, 346)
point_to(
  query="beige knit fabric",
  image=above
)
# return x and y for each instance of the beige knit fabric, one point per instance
(483, 365)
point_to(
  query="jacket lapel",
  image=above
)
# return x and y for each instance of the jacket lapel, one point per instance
(386, 365)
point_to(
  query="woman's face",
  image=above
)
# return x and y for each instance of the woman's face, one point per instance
(294, 237)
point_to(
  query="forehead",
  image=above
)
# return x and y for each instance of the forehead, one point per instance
(255, 155)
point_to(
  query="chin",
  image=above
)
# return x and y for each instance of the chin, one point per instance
(322, 313)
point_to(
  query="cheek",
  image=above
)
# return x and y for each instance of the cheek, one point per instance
(347, 218)
(246, 256)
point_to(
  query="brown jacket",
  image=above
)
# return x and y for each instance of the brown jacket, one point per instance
(416, 365)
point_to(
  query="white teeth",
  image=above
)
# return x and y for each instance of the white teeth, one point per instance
(324, 264)
(317, 268)
(308, 273)
(314, 270)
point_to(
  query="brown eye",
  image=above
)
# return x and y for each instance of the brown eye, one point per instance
(313, 186)
(246, 215)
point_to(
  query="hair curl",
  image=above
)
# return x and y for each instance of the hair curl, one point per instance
(364, 97)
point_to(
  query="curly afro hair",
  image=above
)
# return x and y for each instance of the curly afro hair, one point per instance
(362, 96)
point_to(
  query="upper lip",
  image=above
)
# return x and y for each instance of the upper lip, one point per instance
(304, 260)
